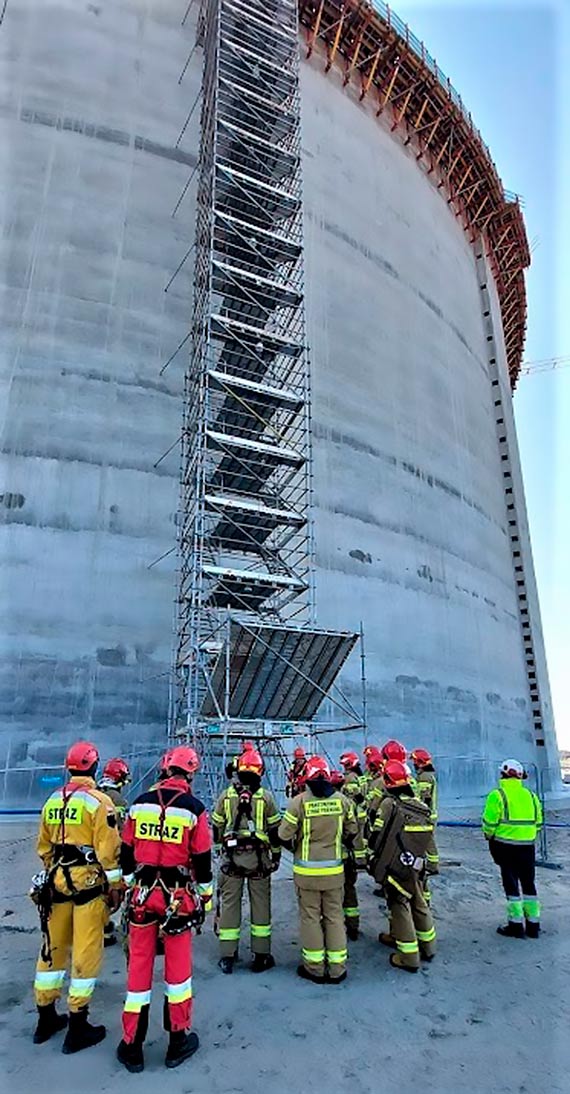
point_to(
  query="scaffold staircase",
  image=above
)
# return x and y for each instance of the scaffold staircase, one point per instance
(244, 535)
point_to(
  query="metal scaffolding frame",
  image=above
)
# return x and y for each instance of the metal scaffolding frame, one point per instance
(244, 534)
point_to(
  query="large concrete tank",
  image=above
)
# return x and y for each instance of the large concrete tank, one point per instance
(417, 486)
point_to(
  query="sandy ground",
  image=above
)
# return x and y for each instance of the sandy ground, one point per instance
(490, 1014)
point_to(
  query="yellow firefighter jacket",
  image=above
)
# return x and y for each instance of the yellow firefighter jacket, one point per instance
(317, 828)
(79, 822)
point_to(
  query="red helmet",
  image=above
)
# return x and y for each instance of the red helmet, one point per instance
(81, 756)
(374, 758)
(420, 757)
(396, 773)
(250, 761)
(350, 760)
(299, 753)
(337, 778)
(394, 750)
(247, 746)
(316, 766)
(367, 749)
(183, 757)
(117, 769)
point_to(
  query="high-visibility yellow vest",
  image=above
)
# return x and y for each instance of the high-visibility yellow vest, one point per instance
(512, 813)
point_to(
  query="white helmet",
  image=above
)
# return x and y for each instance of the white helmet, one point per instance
(512, 769)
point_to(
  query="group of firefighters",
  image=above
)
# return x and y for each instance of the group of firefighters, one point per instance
(155, 857)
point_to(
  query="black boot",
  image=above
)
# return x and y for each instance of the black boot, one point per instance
(512, 930)
(80, 1034)
(109, 936)
(532, 929)
(181, 1047)
(226, 964)
(131, 1056)
(351, 929)
(306, 975)
(336, 979)
(49, 1023)
(262, 962)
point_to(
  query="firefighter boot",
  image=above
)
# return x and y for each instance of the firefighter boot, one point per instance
(80, 1034)
(109, 935)
(262, 962)
(386, 939)
(49, 1023)
(397, 963)
(131, 1055)
(512, 930)
(181, 1047)
(532, 929)
(306, 975)
(226, 964)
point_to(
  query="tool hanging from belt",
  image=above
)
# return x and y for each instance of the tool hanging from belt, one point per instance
(235, 841)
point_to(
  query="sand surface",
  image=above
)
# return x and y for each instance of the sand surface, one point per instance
(489, 1015)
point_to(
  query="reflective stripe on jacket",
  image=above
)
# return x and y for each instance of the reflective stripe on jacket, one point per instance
(512, 813)
(426, 791)
(79, 815)
(318, 828)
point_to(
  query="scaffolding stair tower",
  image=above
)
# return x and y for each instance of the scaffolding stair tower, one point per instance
(244, 534)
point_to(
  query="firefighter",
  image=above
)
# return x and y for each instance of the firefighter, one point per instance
(352, 788)
(246, 821)
(115, 777)
(398, 844)
(166, 858)
(512, 819)
(391, 750)
(315, 826)
(78, 842)
(426, 791)
(295, 776)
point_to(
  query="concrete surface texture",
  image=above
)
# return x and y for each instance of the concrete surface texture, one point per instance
(490, 1013)
(410, 519)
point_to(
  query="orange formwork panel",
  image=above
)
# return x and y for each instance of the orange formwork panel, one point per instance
(380, 54)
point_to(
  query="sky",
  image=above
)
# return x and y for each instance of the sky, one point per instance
(510, 62)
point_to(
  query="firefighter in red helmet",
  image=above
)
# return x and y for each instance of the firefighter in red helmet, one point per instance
(398, 843)
(353, 788)
(166, 857)
(295, 783)
(245, 821)
(426, 791)
(316, 826)
(115, 777)
(78, 842)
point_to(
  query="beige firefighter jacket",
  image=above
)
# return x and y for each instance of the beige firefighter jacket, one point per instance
(246, 831)
(318, 829)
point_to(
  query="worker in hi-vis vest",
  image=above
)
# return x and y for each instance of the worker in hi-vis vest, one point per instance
(511, 821)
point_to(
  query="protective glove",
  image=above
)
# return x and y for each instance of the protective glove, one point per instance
(275, 862)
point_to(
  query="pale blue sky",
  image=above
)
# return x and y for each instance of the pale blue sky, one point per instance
(510, 62)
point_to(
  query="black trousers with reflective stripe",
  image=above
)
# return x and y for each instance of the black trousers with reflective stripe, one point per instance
(516, 863)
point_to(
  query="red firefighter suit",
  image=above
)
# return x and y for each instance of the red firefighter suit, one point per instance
(166, 845)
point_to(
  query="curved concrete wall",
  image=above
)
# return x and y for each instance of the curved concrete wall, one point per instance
(90, 116)
(410, 520)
